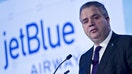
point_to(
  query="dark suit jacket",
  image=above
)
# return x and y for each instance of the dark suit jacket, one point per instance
(117, 58)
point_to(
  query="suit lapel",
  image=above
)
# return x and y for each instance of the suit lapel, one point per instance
(109, 49)
(89, 60)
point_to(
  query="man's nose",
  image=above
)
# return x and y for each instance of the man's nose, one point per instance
(91, 23)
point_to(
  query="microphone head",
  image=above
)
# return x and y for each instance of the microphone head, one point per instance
(68, 57)
(67, 72)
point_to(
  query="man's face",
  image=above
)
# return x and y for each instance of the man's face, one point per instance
(95, 25)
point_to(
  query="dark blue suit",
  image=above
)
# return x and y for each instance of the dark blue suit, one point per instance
(117, 58)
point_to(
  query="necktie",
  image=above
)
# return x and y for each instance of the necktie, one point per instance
(96, 59)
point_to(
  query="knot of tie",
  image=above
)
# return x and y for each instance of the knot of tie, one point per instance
(97, 49)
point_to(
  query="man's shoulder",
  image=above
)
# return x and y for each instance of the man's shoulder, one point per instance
(122, 36)
(125, 37)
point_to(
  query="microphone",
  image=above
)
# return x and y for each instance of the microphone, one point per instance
(67, 72)
(67, 58)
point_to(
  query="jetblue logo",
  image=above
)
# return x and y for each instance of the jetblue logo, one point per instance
(16, 43)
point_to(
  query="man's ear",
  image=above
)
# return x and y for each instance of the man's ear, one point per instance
(108, 19)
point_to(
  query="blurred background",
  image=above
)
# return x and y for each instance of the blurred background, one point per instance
(127, 9)
(37, 35)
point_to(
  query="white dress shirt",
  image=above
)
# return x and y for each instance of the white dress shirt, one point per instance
(102, 50)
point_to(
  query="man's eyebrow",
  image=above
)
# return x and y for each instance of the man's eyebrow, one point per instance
(91, 17)
(95, 15)
(84, 19)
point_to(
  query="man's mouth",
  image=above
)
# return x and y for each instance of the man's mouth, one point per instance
(93, 30)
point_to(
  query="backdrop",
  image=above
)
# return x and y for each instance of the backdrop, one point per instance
(37, 35)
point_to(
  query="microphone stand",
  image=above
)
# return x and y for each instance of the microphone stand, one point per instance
(59, 66)
(67, 58)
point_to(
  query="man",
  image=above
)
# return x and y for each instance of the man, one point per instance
(115, 51)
